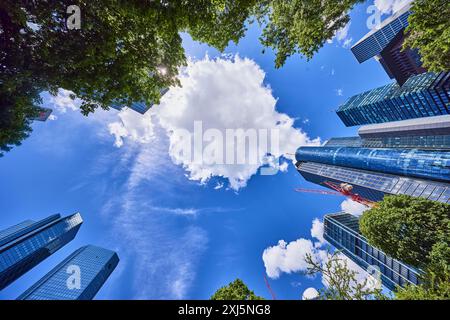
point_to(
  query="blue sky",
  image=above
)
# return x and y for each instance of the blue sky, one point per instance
(179, 236)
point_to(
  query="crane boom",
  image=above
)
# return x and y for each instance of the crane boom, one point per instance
(270, 289)
(343, 189)
(318, 191)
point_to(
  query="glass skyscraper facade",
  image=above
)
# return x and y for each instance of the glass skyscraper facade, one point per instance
(431, 133)
(25, 245)
(43, 114)
(378, 39)
(433, 165)
(385, 44)
(423, 95)
(342, 231)
(433, 142)
(400, 64)
(140, 107)
(14, 230)
(374, 185)
(92, 265)
(355, 142)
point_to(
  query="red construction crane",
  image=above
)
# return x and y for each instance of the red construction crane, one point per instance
(270, 289)
(343, 189)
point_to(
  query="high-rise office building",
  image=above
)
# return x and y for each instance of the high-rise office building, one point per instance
(25, 245)
(400, 64)
(140, 107)
(373, 185)
(424, 95)
(421, 164)
(374, 42)
(79, 277)
(342, 231)
(43, 114)
(431, 133)
(385, 44)
(9, 232)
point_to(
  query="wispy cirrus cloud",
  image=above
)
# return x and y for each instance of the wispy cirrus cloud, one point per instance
(162, 242)
(165, 254)
(164, 249)
(342, 37)
(159, 243)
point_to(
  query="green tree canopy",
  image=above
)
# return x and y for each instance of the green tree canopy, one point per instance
(299, 26)
(124, 52)
(128, 51)
(429, 32)
(407, 228)
(236, 290)
(118, 54)
(18, 105)
(435, 283)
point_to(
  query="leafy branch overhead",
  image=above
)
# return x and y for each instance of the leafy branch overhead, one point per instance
(342, 282)
(118, 54)
(301, 26)
(429, 32)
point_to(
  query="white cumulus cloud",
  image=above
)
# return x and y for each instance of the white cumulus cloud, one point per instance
(218, 95)
(287, 257)
(390, 6)
(310, 294)
(353, 207)
(63, 101)
(317, 232)
(134, 126)
(290, 257)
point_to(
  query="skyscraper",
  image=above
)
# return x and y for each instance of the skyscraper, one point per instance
(385, 44)
(373, 185)
(25, 245)
(374, 42)
(78, 277)
(424, 95)
(431, 133)
(400, 64)
(43, 114)
(342, 231)
(421, 164)
(140, 107)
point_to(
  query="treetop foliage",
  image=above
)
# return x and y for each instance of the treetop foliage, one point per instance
(236, 290)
